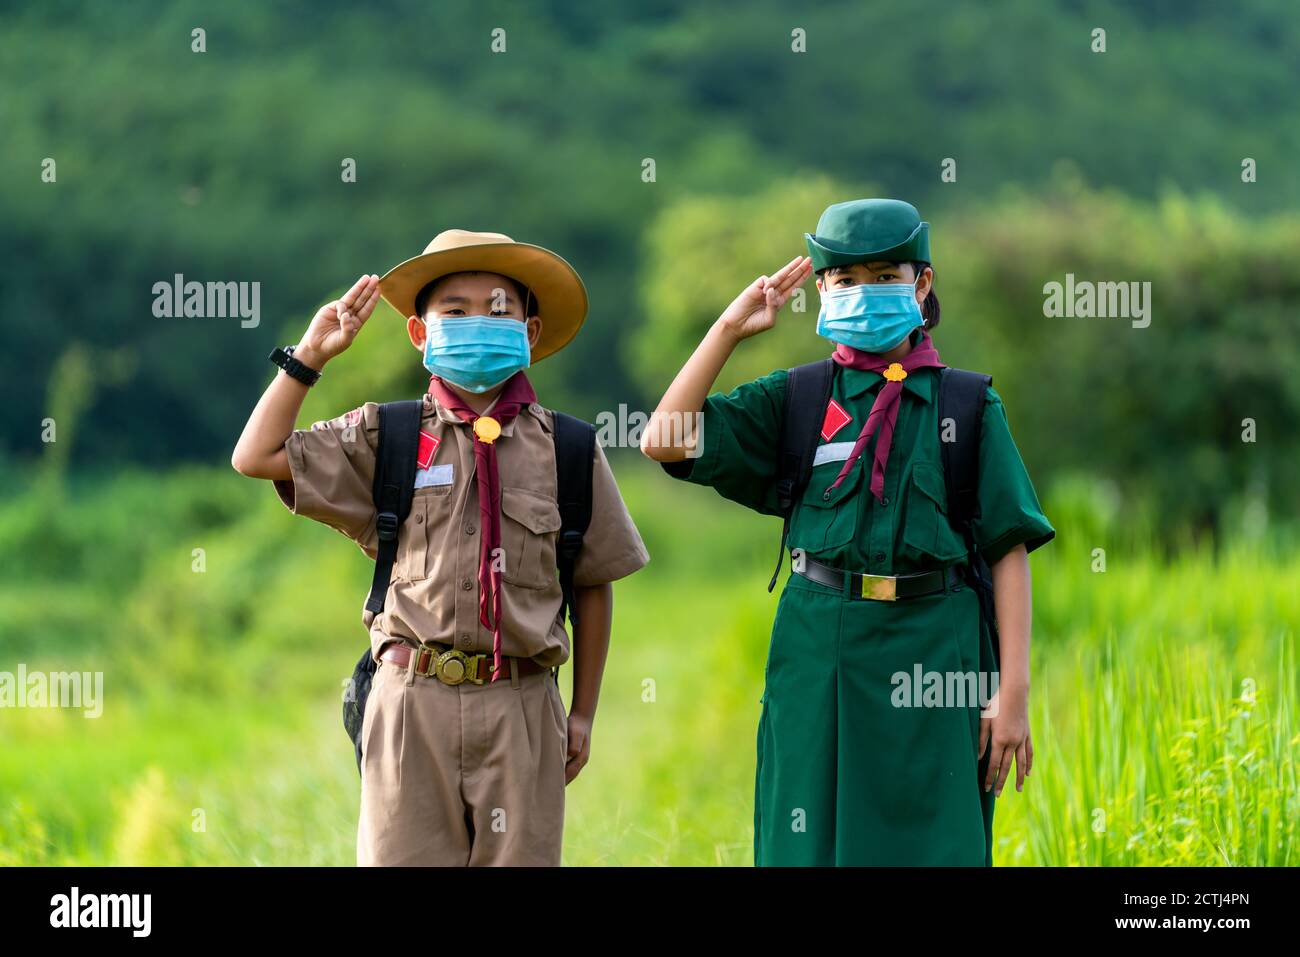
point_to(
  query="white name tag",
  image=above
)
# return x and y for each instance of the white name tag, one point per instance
(832, 452)
(434, 475)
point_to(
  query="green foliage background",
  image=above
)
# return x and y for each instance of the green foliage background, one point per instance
(1164, 703)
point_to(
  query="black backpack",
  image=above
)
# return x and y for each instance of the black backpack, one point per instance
(961, 398)
(394, 487)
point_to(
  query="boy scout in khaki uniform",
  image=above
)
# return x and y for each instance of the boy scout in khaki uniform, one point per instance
(466, 746)
(849, 773)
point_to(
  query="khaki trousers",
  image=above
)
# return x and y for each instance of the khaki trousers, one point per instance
(456, 775)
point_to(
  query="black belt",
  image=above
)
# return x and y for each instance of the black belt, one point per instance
(877, 587)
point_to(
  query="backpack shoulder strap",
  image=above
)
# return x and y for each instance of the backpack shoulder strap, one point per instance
(575, 451)
(962, 397)
(961, 402)
(807, 390)
(399, 443)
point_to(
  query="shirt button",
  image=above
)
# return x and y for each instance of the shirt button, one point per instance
(419, 518)
(467, 584)
(878, 557)
(464, 640)
(884, 501)
(469, 529)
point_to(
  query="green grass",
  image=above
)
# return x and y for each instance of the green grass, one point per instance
(1164, 694)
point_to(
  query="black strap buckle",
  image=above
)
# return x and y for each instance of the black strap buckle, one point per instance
(570, 543)
(784, 495)
(386, 526)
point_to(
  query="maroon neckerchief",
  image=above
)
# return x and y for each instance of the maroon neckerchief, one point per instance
(515, 395)
(884, 411)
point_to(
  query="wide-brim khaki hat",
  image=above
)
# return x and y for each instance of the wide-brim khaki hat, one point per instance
(560, 296)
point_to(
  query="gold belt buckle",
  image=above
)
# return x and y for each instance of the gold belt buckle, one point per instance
(478, 669)
(880, 587)
(452, 668)
(433, 660)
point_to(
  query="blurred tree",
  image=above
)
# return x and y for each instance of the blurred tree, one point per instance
(225, 165)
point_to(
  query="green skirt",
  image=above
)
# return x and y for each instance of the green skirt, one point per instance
(857, 764)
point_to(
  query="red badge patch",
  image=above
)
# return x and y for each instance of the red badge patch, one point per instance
(428, 446)
(836, 419)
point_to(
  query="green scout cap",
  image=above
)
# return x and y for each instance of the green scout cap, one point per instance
(863, 230)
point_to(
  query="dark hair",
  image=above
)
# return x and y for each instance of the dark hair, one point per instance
(524, 293)
(928, 308)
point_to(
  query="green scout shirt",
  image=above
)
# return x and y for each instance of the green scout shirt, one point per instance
(905, 532)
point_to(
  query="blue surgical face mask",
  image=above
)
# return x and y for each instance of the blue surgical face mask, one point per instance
(475, 352)
(873, 316)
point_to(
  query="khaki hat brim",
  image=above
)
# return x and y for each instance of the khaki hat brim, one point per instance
(561, 296)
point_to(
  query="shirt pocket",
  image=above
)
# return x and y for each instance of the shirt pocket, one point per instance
(825, 518)
(529, 523)
(424, 533)
(928, 539)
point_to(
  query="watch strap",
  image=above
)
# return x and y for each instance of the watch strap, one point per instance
(283, 357)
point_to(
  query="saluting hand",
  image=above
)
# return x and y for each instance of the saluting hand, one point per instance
(337, 323)
(755, 309)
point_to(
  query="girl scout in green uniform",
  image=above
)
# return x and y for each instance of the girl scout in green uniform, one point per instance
(871, 747)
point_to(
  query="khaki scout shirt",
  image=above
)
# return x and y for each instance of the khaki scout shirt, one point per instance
(906, 531)
(434, 594)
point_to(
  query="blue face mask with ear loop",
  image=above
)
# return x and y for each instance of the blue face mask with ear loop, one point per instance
(476, 353)
(871, 316)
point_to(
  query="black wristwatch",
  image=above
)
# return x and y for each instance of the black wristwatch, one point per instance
(283, 357)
